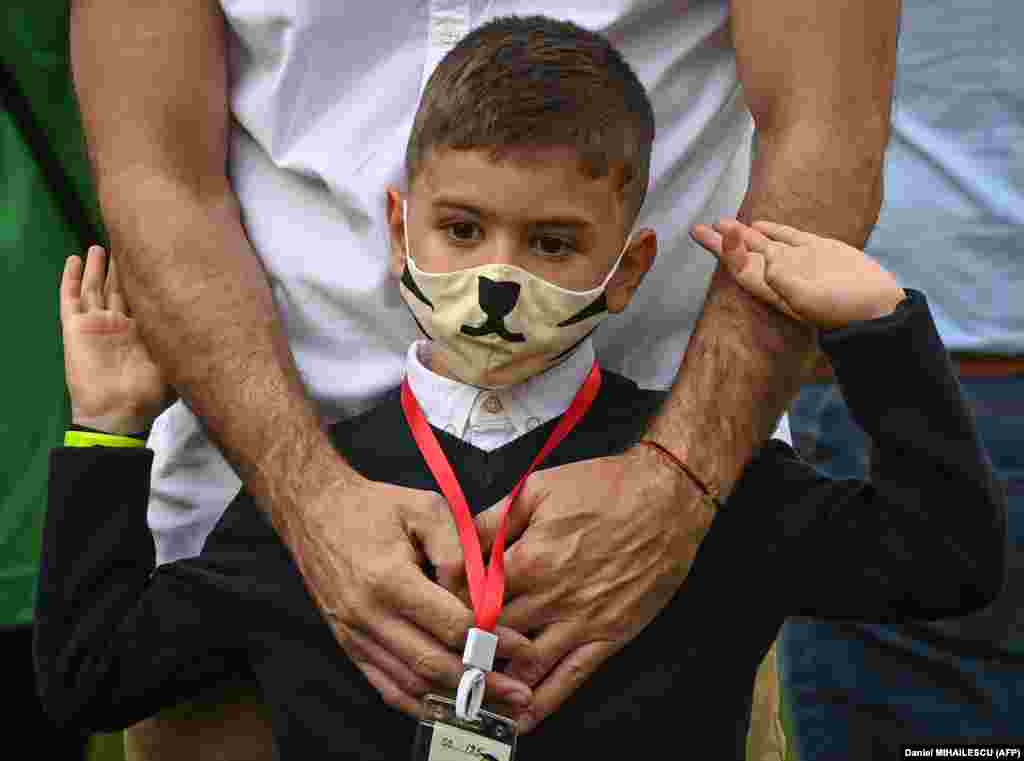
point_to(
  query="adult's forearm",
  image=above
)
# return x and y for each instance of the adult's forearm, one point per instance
(206, 311)
(745, 361)
(152, 84)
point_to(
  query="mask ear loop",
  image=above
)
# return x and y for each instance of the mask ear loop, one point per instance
(615, 267)
(405, 226)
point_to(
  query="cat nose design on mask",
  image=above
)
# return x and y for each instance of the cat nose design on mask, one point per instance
(497, 299)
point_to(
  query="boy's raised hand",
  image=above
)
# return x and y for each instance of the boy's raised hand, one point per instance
(821, 281)
(113, 382)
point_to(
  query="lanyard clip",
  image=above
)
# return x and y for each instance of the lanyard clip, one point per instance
(470, 696)
(479, 659)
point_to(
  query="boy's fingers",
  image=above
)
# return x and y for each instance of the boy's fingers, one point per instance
(71, 287)
(734, 254)
(791, 288)
(709, 239)
(754, 240)
(112, 284)
(783, 233)
(116, 302)
(92, 280)
(754, 280)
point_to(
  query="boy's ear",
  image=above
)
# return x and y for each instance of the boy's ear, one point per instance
(396, 232)
(638, 259)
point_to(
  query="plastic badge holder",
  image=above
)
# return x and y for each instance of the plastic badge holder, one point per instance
(442, 736)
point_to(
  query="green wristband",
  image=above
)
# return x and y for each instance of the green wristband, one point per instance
(89, 439)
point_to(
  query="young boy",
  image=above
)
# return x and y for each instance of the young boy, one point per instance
(510, 247)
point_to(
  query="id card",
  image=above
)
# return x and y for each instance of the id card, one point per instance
(443, 736)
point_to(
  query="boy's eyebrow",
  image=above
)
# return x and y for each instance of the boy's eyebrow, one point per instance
(557, 221)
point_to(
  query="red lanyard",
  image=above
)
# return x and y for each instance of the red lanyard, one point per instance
(487, 589)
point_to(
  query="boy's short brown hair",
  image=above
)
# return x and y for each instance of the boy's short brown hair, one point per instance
(521, 82)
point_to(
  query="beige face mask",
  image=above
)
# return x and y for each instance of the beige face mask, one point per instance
(498, 324)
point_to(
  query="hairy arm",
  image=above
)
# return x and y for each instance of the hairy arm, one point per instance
(818, 80)
(151, 80)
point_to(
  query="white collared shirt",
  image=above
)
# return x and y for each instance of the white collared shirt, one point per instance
(489, 419)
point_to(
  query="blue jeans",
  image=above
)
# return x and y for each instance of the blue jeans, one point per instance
(860, 691)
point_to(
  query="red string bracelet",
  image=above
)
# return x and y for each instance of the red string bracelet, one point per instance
(708, 493)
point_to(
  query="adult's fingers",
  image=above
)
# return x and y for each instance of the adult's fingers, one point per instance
(395, 696)
(434, 529)
(428, 606)
(92, 279)
(519, 649)
(432, 662)
(71, 288)
(425, 637)
(488, 522)
(526, 554)
(552, 645)
(365, 650)
(391, 692)
(429, 609)
(567, 677)
(512, 645)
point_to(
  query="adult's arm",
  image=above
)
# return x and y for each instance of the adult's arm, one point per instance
(151, 80)
(605, 544)
(818, 79)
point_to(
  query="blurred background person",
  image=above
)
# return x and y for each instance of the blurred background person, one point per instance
(951, 225)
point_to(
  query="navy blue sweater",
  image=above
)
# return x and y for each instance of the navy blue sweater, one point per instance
(117, 639)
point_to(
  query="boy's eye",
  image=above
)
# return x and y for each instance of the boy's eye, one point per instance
(549, 245)
(463, 231)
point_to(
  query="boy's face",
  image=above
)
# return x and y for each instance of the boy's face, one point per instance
(535, 210)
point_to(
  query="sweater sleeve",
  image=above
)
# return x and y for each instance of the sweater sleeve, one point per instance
(925, 536)
(115, 638)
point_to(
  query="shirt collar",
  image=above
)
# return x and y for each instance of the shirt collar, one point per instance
(455, 406)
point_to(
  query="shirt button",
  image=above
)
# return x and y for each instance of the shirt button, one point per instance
(493, 405)
(532, 422)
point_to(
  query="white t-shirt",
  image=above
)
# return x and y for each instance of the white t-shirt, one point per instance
(323, 95)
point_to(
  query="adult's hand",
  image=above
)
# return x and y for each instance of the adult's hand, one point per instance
(602, 547)
(363, 548)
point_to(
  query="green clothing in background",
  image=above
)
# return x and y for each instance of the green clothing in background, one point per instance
(48, 211)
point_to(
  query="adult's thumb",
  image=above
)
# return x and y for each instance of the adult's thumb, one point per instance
(488, 522)
(434, 530)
